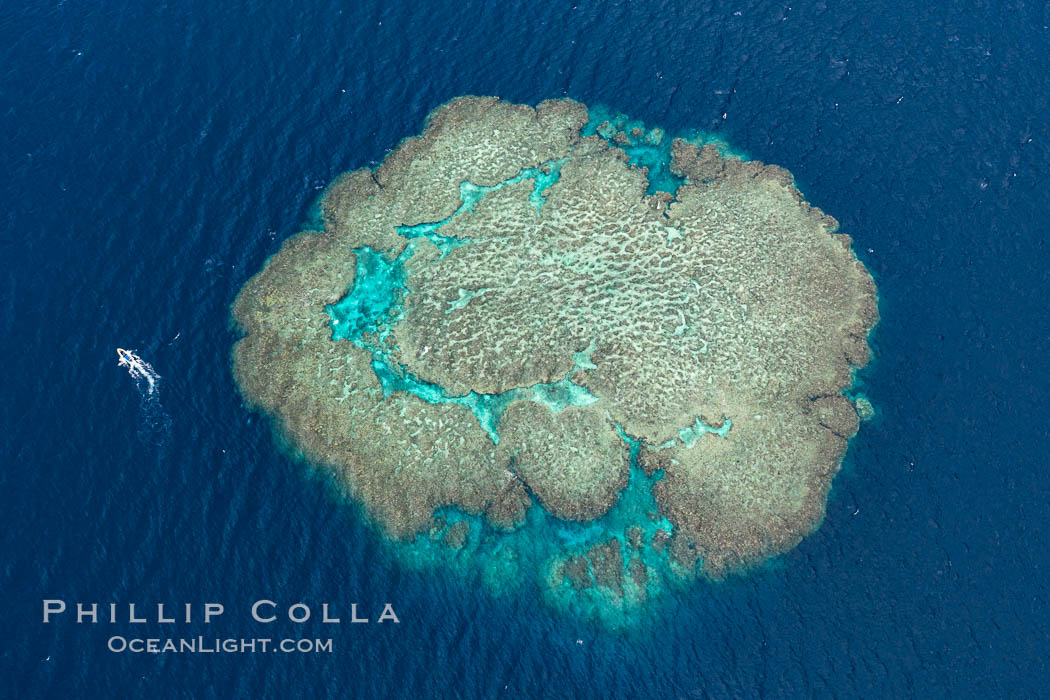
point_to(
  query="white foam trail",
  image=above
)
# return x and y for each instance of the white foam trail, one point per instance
(140, 369)
(156, 422)
(144, 371)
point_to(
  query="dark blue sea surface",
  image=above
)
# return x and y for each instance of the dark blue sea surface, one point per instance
(155, 154)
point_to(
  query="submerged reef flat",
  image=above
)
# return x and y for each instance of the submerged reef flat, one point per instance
(553, 321)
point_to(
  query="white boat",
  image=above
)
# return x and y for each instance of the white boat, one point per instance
(128, 358)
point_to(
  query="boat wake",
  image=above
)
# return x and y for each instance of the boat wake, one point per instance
(156, 423)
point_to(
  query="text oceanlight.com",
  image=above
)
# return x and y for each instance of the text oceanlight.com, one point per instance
(202, 645)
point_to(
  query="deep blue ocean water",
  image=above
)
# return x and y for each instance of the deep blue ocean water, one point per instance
(155, 154)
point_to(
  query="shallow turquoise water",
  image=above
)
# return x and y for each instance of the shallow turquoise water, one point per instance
(650, 150)
(508, 563)
(470, 194)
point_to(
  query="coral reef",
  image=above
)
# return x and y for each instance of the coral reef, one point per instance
(506, 315)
